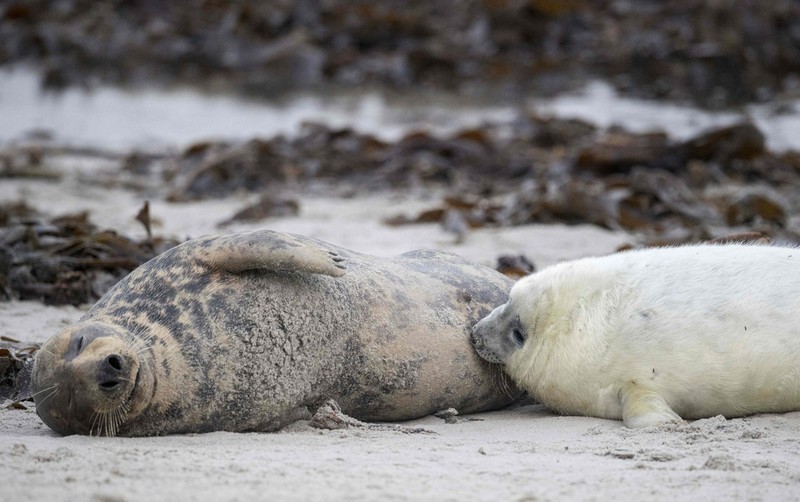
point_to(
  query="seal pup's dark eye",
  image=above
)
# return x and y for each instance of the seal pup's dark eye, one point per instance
(79, 344)
(519, 337)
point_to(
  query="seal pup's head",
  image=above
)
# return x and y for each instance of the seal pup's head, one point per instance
(503, 333)
(499, 335)
(90, 378)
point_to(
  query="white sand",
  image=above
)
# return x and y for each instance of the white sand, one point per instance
(524, 454)
(521, 454)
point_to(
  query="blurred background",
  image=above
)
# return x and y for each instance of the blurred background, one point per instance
(548, 129)
(515, 133)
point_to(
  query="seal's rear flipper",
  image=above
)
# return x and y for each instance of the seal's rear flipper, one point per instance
(267, 250)
(645, 408)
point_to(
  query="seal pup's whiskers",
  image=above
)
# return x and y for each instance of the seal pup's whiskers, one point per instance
(500, 379)
(506, 387)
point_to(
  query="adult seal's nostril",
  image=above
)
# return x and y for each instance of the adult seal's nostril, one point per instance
(111, 372)
(115, 362)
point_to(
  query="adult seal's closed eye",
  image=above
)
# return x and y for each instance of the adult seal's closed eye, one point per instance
(655, 336)
(248, 331)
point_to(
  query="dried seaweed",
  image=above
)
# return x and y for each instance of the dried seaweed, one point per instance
(268, 206)
(16, 365)
(64, 259)
(722, 181)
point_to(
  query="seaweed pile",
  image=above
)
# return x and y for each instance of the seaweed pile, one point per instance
(713, 53)
(16, 365)
(713, 185)
(535, 170)
(65, 259)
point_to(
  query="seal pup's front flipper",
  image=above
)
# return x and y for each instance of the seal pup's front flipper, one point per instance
(267, 250)
(644, 408)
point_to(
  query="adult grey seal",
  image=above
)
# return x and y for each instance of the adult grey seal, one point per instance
(247, 331)
(656, 335)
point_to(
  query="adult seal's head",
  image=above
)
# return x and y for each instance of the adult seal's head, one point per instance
(90, 378)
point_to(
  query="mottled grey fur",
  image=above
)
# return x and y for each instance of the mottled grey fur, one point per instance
(246, 332)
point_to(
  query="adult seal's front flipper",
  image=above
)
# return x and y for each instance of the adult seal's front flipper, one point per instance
(267, 250)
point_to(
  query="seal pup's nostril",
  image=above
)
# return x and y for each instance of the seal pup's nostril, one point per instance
(473, 335)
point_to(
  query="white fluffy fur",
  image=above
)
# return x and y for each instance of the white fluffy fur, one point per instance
(661, 334)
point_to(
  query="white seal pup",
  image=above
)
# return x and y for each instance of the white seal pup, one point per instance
(657, 335)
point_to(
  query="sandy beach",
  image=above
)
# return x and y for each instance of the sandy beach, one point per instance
(523, 453)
